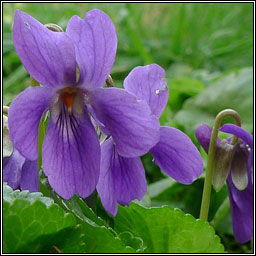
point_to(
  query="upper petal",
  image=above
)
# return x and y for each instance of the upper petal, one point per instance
(203, 135)
(121, 179)
(239, 132)
(130, 122)
(12, 167)
(71, 154)
(177, 155)
(24, 116)
(48, 56)
(95, 42)
(148, 83)
(29, 176)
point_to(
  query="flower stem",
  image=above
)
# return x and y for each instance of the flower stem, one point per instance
(210, 161)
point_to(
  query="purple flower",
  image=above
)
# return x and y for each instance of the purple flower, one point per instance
(239, 179)
(71, 149)
(20, 173)
(123, 179)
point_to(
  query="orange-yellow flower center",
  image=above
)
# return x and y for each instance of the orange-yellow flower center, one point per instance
(67, 96)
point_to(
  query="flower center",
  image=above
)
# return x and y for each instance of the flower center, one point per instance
(67, 96)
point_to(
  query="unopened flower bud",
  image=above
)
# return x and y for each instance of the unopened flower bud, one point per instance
(239, 165)
(222, 163)
(7, 144)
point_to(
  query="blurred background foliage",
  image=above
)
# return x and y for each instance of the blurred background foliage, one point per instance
(206, 50)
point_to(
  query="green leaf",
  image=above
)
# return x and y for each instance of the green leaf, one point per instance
(10, 196)
(134, 242)
(176, 195)
(168, 230)
(28, 224)
(35, 224)
(98, 237)
(232, 90)
(78, 207)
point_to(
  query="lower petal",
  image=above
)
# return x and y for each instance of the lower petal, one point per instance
(241, 204)
(12, 167)
(24, 116)
(71, 154)
(176, 155)
(29, 176)
(121, 179)
(105, 186)
(242, 198)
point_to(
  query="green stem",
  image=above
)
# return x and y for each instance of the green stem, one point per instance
(210, 162)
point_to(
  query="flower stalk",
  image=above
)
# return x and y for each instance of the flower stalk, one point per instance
(211, 156)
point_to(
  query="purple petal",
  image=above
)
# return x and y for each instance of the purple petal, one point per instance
(95, 42)
(148, 83)
(130, 122)
(48, 56)
(71, 154)
(105, 186)
(203, 135)
(12, 167)
(121, 179)
(176, 155)
(29, 176)
(24, 116)
(239, 132)
(241, 203)
(96, 122)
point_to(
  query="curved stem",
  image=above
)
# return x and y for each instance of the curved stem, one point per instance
(210, 161)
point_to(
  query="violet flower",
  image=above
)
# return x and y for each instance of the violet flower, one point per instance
(240, 176)
(20, 173)
(71, 149)
(123, 179)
